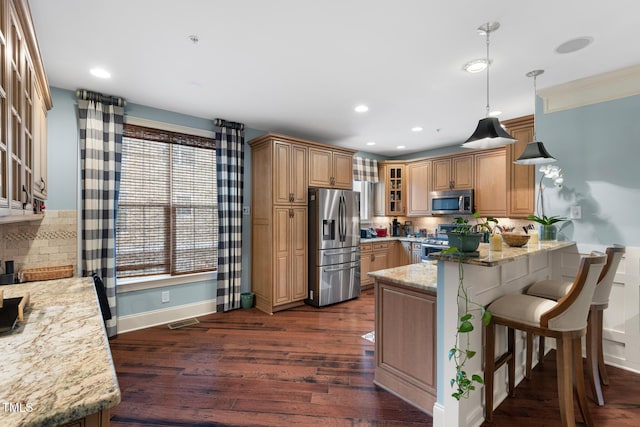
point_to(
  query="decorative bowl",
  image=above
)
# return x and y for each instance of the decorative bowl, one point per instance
(515, 240)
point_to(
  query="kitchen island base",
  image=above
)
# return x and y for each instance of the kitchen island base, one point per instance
(405, 343)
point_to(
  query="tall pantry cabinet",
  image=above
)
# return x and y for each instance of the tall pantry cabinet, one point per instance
(280, 176)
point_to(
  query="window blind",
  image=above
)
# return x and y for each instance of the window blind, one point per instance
(167, 211)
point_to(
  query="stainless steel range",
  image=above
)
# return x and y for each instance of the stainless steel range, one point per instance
(436, 243)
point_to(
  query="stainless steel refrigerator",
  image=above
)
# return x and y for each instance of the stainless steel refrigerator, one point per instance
(334, 246)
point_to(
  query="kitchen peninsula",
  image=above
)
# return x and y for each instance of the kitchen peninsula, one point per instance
(416, 320)
(56, 365)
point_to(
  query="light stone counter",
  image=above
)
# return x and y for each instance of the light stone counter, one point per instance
(56, 365)
(392, 239)
(421, 276)
(488, 258)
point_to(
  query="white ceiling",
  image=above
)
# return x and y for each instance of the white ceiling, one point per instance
(299, 67)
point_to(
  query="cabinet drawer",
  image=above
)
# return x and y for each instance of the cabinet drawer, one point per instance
(380, 245)
(365, 247)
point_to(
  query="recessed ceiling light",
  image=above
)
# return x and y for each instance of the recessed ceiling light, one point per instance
(361, 109)
(574, 44)
(401, 147)
(371, 143)
(416, 129)
(495, 113)
(476, 65)
(100, 73)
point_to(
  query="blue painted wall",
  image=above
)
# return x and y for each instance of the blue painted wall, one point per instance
(598, 149)
(63, 154)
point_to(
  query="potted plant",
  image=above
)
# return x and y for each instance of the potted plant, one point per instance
(464, 383)
(461, 352)
(548, 230)
(466, 237)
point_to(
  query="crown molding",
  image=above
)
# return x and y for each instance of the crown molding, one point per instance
(592, 90)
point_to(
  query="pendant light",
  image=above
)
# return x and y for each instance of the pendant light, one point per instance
(489, 132)
(534, 153)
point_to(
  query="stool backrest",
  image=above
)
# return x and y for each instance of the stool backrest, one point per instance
(571, 311)
(605, 283)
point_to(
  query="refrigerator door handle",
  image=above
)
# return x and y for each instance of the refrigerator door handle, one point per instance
(349, 267)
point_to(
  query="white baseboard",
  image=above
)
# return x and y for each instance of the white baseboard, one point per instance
(147, 319)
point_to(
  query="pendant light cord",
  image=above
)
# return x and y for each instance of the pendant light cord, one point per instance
(535, 76)
(488, 66)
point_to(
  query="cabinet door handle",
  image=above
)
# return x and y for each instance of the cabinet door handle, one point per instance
(291, 197)
(290, 213)
(373, 257)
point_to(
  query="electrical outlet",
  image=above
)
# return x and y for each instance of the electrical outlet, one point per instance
(576, 212)
(246, 210)
(165, 296)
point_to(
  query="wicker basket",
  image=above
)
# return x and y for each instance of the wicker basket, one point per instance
(515, 240)
(47, 273)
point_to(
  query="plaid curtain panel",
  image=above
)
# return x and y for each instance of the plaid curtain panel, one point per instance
(230, 177)
(100, 126)
(365, 169)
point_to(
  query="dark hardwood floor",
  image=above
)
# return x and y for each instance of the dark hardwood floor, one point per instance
(304, 366)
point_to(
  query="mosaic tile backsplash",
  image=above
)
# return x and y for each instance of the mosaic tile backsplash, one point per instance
(50, 242)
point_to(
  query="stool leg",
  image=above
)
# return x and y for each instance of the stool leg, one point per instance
(593, 372)
(604, 377)
(579, 381)
(511, 364)
(541, 352)
(527, 372)
(565, 380)
(489, 368)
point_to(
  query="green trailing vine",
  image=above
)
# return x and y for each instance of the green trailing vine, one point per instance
(461, 352)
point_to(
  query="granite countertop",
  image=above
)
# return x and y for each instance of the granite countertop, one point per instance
(56, 365)
(392, 239)
(422, 276)
(490, 258)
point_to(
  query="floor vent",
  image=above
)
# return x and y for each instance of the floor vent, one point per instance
(183, 323)
(371, 336)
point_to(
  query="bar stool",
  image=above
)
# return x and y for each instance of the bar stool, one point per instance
(565, 320)
(556, 289)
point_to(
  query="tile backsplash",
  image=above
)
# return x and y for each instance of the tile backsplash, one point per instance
(50, 242)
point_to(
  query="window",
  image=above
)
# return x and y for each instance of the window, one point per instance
(167, 210)
(366, 200)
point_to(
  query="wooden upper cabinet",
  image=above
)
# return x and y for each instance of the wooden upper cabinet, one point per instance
(521, 178)
(395, 183)
(453, 173)
(289, 173)
(330, 169)
(418, 187)
(490, 194)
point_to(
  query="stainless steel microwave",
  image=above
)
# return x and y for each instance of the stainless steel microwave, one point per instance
(452, 202)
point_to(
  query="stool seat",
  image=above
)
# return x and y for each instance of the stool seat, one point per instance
(551, 289)
(525, 309)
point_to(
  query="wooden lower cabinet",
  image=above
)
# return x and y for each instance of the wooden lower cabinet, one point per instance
(374, 256)
(290, 251)
(99, 419)
(405, 346)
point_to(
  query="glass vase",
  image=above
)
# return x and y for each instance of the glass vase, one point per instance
(548, 232)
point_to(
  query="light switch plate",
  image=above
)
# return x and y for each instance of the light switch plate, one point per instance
(576, 212)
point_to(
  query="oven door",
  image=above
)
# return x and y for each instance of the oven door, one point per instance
(427, 250)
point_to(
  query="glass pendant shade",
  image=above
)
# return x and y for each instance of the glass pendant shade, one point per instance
(489, 134)
(535, 154)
